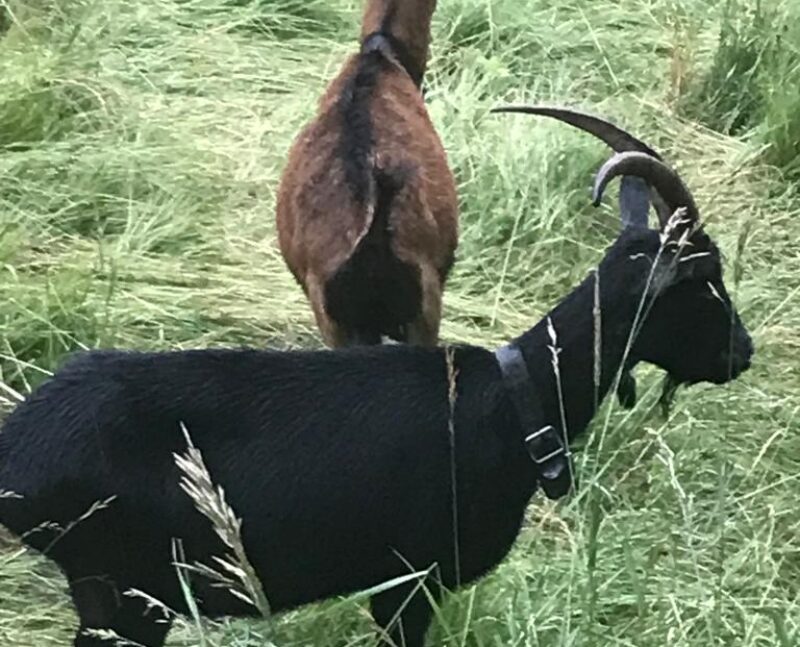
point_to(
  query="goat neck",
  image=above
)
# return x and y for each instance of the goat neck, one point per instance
(407, 26)
(617, 288)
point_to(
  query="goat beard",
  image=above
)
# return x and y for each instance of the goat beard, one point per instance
(626, 392)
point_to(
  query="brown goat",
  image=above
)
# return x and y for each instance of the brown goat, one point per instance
(367, 210)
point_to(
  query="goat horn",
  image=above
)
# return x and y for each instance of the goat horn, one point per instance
(618, 139)
(660, 176)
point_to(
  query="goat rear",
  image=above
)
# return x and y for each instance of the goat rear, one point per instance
(374, 293)
(367, 210)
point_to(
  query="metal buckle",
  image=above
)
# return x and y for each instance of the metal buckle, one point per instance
(544, 431)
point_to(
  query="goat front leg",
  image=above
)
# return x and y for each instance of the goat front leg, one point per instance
(403, 615)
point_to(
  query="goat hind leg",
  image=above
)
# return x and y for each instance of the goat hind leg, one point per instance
(95, 601)
(424, 330)
(421, 333)
(332, 334)
(404, 615)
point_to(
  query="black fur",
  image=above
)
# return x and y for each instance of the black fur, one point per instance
(337, 461)
(356, 140)
(314, 450)
(374, 293)
(634, 202)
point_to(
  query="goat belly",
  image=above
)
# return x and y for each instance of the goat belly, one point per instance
(336, 528)
(319, 536)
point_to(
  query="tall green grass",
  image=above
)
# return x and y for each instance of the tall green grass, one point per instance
(753, 82)
(140, 147)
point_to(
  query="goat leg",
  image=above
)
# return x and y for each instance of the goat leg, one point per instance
(404, 614)
(102, 607)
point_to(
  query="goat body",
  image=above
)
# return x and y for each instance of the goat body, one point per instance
(315, 453)
(340, 463)
(367, 211)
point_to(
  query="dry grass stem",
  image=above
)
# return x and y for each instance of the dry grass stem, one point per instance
(452, 393)
(237, 573)
(15, 395)
(555, 351)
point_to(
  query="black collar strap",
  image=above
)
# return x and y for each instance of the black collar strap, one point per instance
(394, 50)
(544, 443)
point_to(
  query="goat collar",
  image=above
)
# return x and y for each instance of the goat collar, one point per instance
(548, 451)
(393, 49)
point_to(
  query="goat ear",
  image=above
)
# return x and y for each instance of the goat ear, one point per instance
(634, 202)
(626, 390)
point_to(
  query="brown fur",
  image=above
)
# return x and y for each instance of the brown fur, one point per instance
(321, 217)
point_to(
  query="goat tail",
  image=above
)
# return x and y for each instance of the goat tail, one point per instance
(387, 184)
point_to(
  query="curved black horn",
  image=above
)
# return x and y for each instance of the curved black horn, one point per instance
(660, 176)
(618, 139)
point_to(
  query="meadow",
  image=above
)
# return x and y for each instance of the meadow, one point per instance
(140, 148)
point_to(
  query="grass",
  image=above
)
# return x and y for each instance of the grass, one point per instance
(140, 146)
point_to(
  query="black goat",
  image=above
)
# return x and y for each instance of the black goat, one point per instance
(339, 462)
